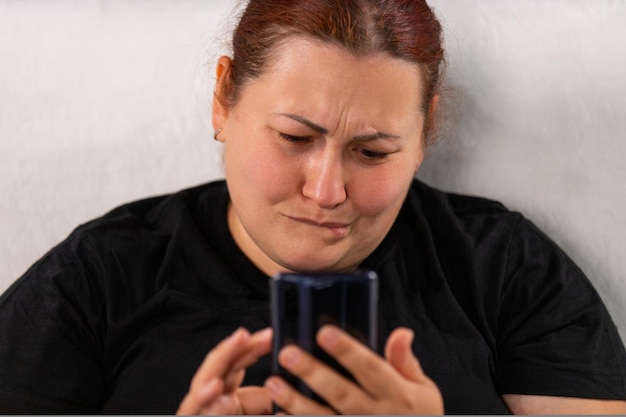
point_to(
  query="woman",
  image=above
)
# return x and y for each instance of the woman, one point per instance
(325, 110)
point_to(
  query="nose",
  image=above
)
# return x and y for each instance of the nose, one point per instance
(324, 181)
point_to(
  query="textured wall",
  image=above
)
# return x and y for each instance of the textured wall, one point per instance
(538, 121)
(102, 102)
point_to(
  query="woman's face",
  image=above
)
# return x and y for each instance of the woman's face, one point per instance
(319, 153)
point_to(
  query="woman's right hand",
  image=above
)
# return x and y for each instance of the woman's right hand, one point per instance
(216, 386)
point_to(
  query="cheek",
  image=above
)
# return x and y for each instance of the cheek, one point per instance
(254, 168)
(381, 194)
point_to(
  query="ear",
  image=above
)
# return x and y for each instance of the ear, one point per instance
(430, 119)
(434, 103)
(221, 107)
(432, 110)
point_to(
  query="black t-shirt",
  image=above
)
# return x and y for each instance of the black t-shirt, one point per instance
(118, 317)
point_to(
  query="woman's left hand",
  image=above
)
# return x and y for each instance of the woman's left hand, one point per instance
(396, 385)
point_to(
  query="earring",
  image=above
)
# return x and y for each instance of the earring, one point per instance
(217, 132)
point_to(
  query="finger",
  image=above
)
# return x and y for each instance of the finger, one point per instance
(233, 380)
(226, 364)
(259, 344)
(254, 401)
(195, 400)
(391, 391)
(338, 391)
(220, 359)
(373, 373)
(291, 401)
(222, 405)
(399, 354)
(238, 351)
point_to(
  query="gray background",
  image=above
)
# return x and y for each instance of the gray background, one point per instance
(103, 102)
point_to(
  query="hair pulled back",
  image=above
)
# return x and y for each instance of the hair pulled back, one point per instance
(404, 29)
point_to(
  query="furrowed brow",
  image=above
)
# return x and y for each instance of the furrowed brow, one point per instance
(377, 135)
(319, 129)
(323, 131)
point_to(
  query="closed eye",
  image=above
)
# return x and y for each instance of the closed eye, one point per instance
(295, 139)
(372, 155)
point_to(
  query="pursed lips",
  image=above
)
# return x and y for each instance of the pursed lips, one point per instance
(336, 227)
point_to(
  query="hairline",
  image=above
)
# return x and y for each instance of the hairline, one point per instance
(288, 34)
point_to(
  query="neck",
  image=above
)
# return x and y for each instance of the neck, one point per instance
(249, 247)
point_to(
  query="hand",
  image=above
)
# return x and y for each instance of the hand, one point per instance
(216, 386)
(396, 385)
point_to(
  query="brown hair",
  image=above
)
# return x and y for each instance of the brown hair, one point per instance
(404, 29)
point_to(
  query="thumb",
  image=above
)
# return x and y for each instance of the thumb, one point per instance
(399, 354)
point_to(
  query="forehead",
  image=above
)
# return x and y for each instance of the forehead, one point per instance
(302, 68)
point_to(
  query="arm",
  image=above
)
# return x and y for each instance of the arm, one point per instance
(539, 404)
(555, 336)
(49, 339)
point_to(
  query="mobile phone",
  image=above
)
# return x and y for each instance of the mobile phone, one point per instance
(302, 303)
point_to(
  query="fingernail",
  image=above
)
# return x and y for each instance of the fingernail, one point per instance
(274, 386)
(329, 336)
(289, 355)
(267, 332)
(237, 333)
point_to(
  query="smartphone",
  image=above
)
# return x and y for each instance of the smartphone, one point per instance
(302, 303)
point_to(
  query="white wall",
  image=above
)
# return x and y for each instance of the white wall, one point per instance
(102, 102)
(539, 122)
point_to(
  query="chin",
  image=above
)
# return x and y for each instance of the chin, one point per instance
(311, 264)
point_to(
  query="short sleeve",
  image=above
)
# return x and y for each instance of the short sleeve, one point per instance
(49, 339)
(555, 335)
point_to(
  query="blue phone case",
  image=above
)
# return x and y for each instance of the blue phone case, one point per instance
(302, 303)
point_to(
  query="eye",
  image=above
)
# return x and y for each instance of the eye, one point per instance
(372, 155)
(295, 139)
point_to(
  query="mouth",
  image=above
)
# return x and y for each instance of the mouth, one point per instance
(338, 229)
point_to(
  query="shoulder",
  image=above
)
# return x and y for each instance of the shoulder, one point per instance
(451, 216)
(131, 239)
(478, 243)
(499, 243)
(151, 219)
(443, 203)
(159, 211)
(538, 310)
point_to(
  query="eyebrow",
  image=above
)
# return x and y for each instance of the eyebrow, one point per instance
(319, 129)
(323, 131)
(377, 135)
